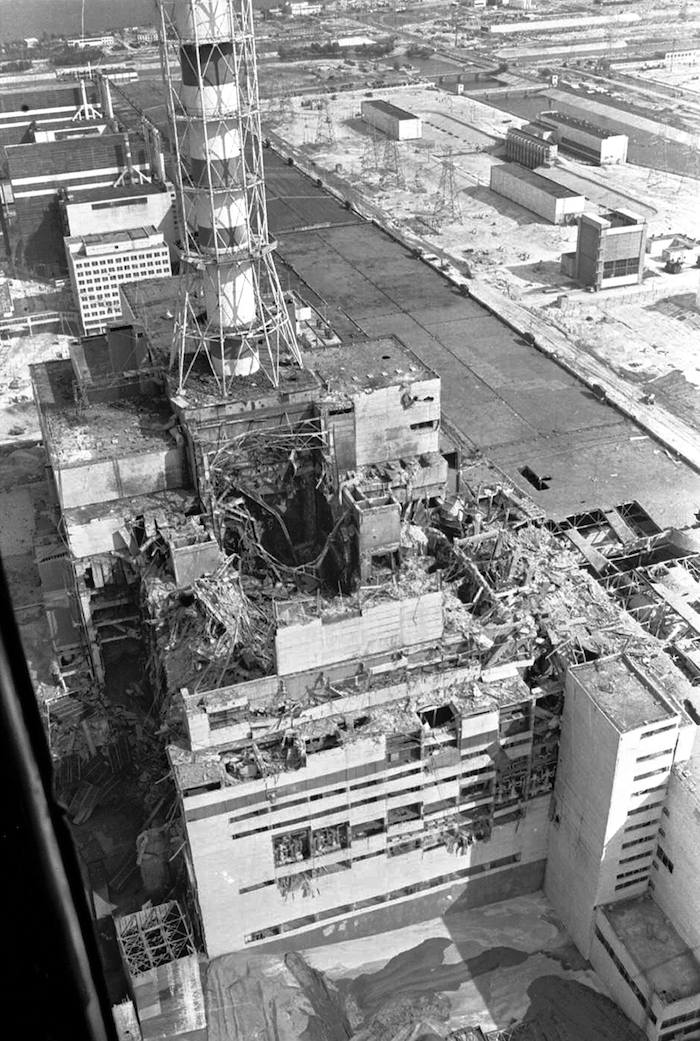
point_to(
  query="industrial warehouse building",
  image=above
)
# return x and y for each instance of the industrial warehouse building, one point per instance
(550, 200)
(39, 171)
(392, 121)
(532, 145)
(610, 250)
(582, 138)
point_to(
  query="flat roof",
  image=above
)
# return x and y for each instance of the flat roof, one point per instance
(534, 131)
(583, 124)
(621, 693)
(663, 957)
(544, 184)
(127, 426)
(123, 235)
(389, 109)
(155, 303)
(367, 364)
(108, 194)
(501, 394)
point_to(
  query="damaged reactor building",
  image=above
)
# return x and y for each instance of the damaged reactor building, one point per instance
(382, 682)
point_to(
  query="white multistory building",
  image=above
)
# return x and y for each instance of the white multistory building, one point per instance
(100, 263)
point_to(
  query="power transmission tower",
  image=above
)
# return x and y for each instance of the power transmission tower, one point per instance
(286, 111)
(325, 130)
(392, 166)
(447, 205)
(370, 153)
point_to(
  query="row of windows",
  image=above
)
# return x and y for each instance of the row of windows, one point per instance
(665, 860)
(648, 791)
(690, 1031)
(132, 264)
(651, 773)
(634, 872)
(644, 824)
(323, 793)
(638, 842)
(625, 975)
(631, 882)
(382, 898)
(618, 268)
(635, 856)
(658, 730)
(214, 810)
(87, 263)
(685, 1018)
(654, 755)
(644, 809)
(323, 813)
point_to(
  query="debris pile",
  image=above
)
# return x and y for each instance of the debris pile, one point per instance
(217, 632)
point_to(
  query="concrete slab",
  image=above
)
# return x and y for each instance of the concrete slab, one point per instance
(515, 403)
(462, 956)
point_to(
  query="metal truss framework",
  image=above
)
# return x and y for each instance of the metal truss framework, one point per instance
(270, 334)
(447, 206)
(154, 937)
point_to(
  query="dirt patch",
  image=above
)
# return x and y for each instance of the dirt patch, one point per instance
(568, 1011)
(422, 971)
(19, 419)
(272, 999)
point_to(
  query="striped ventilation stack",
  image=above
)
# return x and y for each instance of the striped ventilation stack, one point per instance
(215, 120)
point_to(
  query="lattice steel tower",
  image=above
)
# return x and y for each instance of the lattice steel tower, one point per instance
(232, 310)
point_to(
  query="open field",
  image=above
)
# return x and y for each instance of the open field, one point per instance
(436, 188)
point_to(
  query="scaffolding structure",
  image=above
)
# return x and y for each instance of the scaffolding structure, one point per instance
(232, 314)
(154, 936)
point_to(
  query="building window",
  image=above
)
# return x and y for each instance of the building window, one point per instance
(685, 1018)
(648, 791)
(659, 730)
(631, 882)
(625, 974)
(638, 842)
(633, 872)
(655, 755)
(635, 856)
(652, 773)
(645, 808)
(667, 863)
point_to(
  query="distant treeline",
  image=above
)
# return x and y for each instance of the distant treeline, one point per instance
(16, 66)
(332, 49)
(77, 56)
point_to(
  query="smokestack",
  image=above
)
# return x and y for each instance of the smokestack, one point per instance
(215, 121)
(107, 106)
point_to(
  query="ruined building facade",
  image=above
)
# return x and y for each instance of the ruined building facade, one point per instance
(367, 665)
